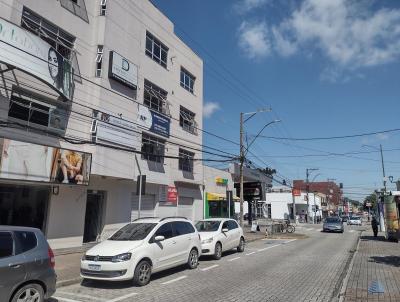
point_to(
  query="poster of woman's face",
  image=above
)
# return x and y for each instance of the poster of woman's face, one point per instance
(56, 68)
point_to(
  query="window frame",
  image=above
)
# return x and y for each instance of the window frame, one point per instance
(151, 53)
(187, 76)
(155, 141)
(154, 97)
(187, 120)
(187, 156)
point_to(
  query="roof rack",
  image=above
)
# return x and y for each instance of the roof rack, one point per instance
(150, 217)
(172, 217)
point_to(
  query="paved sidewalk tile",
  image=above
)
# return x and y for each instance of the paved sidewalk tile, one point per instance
(375, 275)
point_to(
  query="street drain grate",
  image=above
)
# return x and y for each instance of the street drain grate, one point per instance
(376, 288)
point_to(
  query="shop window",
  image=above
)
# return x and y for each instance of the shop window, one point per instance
(185, 160)
(155, 97)
(153, 148)
(187, 120)
(156, 50)
(187, 80)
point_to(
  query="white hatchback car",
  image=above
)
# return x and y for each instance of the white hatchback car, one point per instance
(219, 235)
(143, 247)
(354, 220)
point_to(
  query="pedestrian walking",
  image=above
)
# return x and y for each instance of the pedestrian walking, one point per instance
(374, 225)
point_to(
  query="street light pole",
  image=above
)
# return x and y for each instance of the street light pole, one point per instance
(308, 170)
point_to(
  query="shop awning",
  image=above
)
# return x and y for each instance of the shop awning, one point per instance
(219, 197)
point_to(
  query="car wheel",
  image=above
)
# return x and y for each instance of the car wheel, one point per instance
(142, 273)
(31, 292)
(193, 260)
(218, 251)
(240, 247)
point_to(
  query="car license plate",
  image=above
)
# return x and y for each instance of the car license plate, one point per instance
(94, 267)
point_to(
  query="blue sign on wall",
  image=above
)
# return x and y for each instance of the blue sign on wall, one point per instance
(153, 121)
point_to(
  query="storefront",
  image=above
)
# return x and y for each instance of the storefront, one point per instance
(217, 205)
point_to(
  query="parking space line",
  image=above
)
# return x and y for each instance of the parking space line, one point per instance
(174, 280)
(65, 299)
(233, 259)
(267, 248)
(248, 254)
(123, 297)
(77, 295)
(210, 267)
(289, 241)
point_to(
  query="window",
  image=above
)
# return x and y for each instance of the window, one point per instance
(165, 230)
(156, 50)
(154, 97)
(187, 80)
(185, 160)
(27, 241)
(6, 245)
(225, 225)
(232, 225)
(52, 34)
(133, 232)
(182, 228)
(77, 7)
(186, 120)
(153, 148)
(208, 226)
(103, 7)
(99, 60)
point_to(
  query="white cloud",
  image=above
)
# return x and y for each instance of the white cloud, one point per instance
(210, 108)
(382, 136)
(253, 40)
(350, 34)
(244, 6)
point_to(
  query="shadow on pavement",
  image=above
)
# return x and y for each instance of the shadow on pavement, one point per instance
(389, 260)
(379, 238)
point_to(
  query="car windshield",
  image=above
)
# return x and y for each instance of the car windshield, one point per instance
(208, 226)
(133, 231)
(355, 218)
(332, 220)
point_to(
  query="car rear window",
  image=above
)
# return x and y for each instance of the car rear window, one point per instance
(332, 220)
(6, 244)
(133, 231)
(27, 241)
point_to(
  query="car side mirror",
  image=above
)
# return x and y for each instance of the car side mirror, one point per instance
(225, 230)
(159, 238)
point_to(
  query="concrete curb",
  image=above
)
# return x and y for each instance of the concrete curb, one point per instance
(68, 282)
(349, 269)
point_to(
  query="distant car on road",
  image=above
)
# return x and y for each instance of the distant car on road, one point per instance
(333, 224)
(219, 235)
(354, 220)
(344, 218)
(143, 247)
(26, 265)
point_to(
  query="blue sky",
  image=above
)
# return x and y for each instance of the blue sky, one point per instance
(326, 67)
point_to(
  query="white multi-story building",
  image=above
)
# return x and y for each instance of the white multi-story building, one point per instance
(135, 86)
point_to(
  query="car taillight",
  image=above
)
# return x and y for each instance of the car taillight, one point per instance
(51, 258)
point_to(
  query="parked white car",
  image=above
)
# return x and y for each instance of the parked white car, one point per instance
(219, 235)
(354, 220)
(143, 247)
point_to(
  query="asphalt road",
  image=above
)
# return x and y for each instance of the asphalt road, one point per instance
(310, 269)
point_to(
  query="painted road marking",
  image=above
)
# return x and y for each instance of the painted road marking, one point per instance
(233, 259)
(174, 280)
(208, 268)
(351, 231)
(77, 295)
(267, 248)
(250, 253)
(291, 240)
(123, 297)
(65, 299)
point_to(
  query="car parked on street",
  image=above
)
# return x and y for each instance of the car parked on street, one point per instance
(26, 265)
(143, 247)
(333, 224)
(219, 235)
(354, 220)
(344, 218)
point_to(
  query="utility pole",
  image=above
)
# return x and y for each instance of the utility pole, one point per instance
(241, 169)
(382, 223)
(308, 170)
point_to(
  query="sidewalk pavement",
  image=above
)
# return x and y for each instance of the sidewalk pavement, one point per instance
(374, 274)
(68, 260)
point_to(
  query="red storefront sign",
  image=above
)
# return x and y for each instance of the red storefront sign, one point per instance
(296, 192)
(172, 194)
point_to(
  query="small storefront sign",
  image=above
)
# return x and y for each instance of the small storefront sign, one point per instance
(221, 181)
(172, 195)
(168, 195)
(296, 192)
(123, 70)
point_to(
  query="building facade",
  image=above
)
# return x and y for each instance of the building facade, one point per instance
(94, 94)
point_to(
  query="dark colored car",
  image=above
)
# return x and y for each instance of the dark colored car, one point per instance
(333, 224)
(26, 265)
(344, 218)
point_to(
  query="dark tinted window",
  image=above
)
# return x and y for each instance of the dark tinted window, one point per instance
(208, 226)
(225, 225)
(6, 244)
(26, 240)
(333, 220)
(232, 225)
(183, 228)
(165, 230)
(133, 231)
